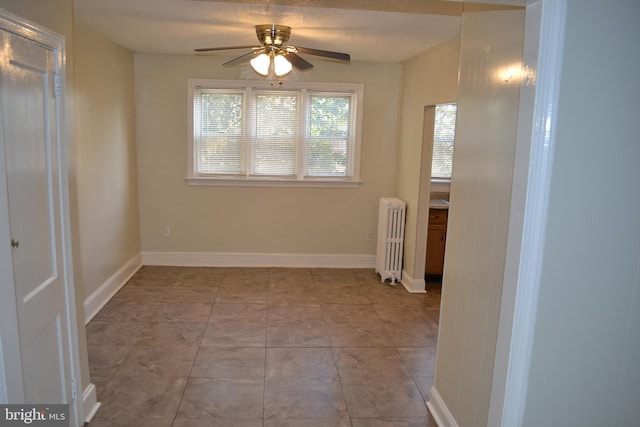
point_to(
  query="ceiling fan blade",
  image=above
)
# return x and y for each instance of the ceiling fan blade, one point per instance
(241, 57)
(326, 53)
(298, 61)
(211, 49)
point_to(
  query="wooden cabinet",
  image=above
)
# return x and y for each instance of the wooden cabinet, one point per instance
(436, 241)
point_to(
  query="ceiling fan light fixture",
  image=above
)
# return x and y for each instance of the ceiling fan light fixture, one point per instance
(261, 64)
(281, 65)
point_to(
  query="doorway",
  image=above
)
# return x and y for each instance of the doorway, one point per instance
(38, 334)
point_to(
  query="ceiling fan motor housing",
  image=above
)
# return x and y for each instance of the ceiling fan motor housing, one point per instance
(273, 35)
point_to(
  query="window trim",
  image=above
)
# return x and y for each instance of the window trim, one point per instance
(193, 178)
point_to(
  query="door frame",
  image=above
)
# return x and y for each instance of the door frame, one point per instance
(543, 51)
(545, 22)
(11, 385)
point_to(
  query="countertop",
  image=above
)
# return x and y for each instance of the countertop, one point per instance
(438, 204)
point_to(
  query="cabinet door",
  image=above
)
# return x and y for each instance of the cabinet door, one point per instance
(435, 251)
(436, 241)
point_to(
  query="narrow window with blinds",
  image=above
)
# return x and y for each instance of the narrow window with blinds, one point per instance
(329, 142)
(304, 134)
(443, 138)
(218, 131)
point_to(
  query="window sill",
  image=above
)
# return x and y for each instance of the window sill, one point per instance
(440, 184)
(244, 182)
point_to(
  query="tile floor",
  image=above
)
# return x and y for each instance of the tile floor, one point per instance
(263, 347)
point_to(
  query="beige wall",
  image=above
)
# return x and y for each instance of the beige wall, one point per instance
(479, 214)
(108, 220)
(215, 219)
(428, 79)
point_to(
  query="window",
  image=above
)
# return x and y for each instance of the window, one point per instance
(300, 134)
(443, 137)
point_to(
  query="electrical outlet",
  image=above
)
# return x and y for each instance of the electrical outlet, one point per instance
(167, 231)
(369, 235)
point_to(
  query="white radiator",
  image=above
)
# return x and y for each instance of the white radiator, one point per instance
(390, 239)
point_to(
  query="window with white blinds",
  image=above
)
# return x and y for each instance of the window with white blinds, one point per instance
(304, 133)
(443, 138)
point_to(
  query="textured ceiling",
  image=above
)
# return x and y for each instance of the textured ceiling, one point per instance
(369, 30)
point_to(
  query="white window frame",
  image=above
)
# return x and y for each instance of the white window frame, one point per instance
(193, 178)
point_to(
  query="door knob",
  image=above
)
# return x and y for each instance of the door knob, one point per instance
(15, 243)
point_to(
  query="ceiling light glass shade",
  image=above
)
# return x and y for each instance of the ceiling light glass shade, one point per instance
(281, 66)
(261, 64)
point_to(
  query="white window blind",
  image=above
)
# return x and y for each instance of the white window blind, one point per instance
(275, 136)
(252, 134)
(443, 138)
(218, 131)
(330, 146)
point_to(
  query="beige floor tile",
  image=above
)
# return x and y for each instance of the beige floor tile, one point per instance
(420, 361)
(215, 422)
(129, 421)
(165, 361)
(243, 290)
(232, 334)
(307, 422)
(141, 397)
(241, 363)
(222, 398)
(295, 314)
(114, 333)
(104, 360)
(300, 367)
(182, 312)
(352, 294)
(383, 293)
(386, 398)
(250, 347)
(127, 311)
(172, 333)
(313, 401)
(394, 422)
(359, 335)
(191, 294)
(350, 314)
(239, 312)
(200, 277)
(292, 295)
(361, 364)
(297, 334)
(140, 294)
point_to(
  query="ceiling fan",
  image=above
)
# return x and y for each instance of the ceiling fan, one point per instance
(273, 51)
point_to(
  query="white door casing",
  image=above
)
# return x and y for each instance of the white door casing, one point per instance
(38, 338)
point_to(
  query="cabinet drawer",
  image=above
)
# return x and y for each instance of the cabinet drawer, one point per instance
(437, 217)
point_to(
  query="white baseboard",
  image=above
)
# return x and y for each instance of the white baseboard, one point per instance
(415, 286)
(439, 410)
(90, 402)
(217, 259)
(94, 302)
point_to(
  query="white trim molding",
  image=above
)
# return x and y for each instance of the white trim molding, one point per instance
(234, 259)
(414, 286)
(519, 348)
(90, 402)
(439, 411)
(94, 302)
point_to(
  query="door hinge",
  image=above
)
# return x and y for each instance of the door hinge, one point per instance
(74, 393)
(56, 84)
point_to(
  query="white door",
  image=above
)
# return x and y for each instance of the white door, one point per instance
(29, 145)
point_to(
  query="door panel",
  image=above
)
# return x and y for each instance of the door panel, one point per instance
(30, 148)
